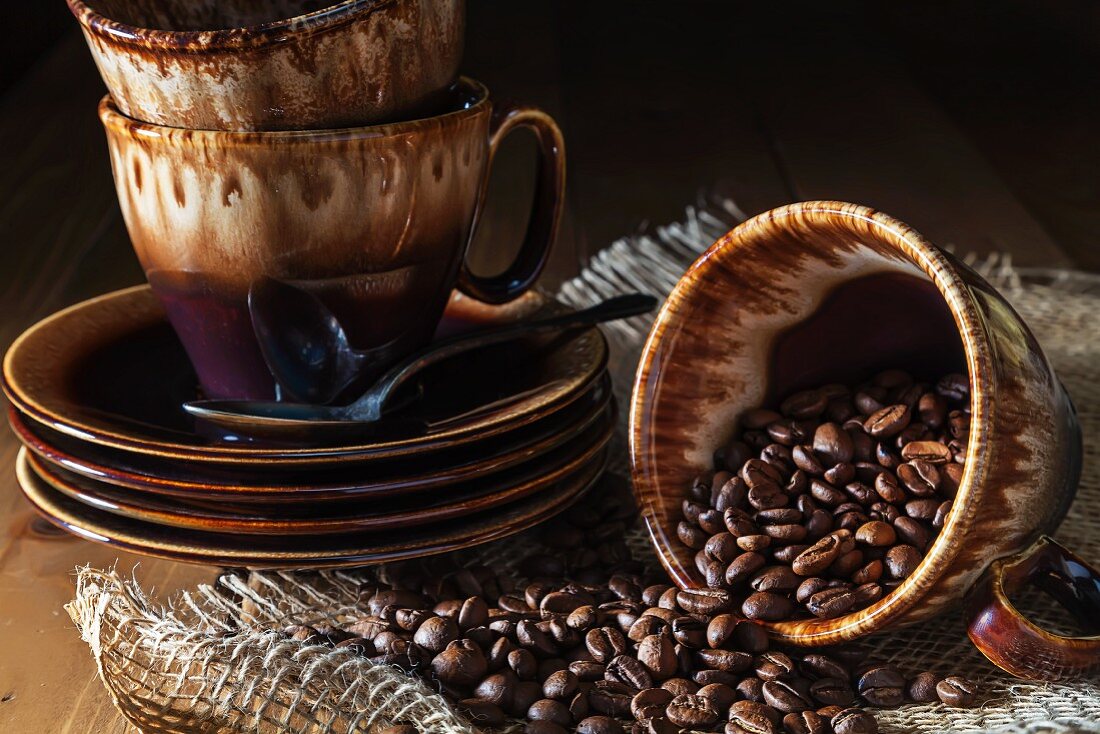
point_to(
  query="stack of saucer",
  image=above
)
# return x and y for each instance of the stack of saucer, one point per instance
(507, 437)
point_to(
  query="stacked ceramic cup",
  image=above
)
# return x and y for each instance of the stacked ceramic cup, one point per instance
(300, 184)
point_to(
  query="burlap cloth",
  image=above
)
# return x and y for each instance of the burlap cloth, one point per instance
(211, 661)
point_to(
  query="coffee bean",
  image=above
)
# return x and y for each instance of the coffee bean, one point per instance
(657, 654)
(788, 553)
(854, 721)
(868, 573)
(550, 710)
(729, 661)
(767, 606)
(876, 533)
(497, 689)
(560, 685)
(720, 630)
(650, 703)
(941, 515)
(955, 690)
(720, 696)
(933, 452)
(776, 578)
(722, 547)
(691, 535)
(544, 727)
(818, 556)
(689, 631)
(628, 671)
(832, 691)
(751, 689)
(901, 561)
(599, 725)
(435, 633)
(882, 686)
(691, 712)
(826, 493)
(922, 509)
(534, 638)
(809, 587)
(644, 626)
(483, 713)
(785, 696)
(704, 601)
(704, 678)
(888, 421)
(526, 693)
(610, 700)
(679, 686)
(833, 444)
(911, 532)
(922, 688)
(822, 666)
(758, 418)
(750, 637)
(605, 643)
(587, 670)
(461, 663)
(773, 665)
(805, 722)
(751, 717)
(743, 567)
(830, 603)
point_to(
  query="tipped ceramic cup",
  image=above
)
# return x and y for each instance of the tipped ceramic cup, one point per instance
(279, 65)
(822, 292)
(374, 221)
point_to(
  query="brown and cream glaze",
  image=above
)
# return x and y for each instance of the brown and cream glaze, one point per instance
(284, 65)
(375, 221)
(732, 336)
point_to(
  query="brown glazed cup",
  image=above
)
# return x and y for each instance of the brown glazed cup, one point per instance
(279, 65)
(374, 221)
(822, 292)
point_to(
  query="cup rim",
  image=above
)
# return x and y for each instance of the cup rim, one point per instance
(272, 33)
(942, 271)
(117, 121)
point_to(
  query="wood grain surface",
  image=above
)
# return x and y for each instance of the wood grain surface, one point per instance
(657, 107)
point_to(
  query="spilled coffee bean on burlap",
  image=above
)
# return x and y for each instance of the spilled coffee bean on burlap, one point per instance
(822, 507)
(592, 642)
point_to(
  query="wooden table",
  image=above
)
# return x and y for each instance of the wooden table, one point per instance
(657, 106)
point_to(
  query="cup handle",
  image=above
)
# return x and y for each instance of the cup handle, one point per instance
(542, 227)
(1014, 643)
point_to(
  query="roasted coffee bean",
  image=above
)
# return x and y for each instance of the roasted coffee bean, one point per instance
(818, 556)
(691, 535)
(955, 690)
(652, 594)
(498, 689)
(720, 696)
(954, 387)
(784, 696)
(704, 601)
(482, 712)
(809, 587)
(922, 509)
(773, 665)
(523, 664)
(750, 637)
(549, 710)
(876, 533)
(534, 638)
(679, 686)
(752, 543)
(941, 515)
(650, 703)
(435, 633)
(544, 727)
(691, 712)
(657, 654)
(729, 661)
(922, 688)
(767, 606)
(720, 629)
(832, 692)
(901, 561)
(776, 578)
(711, 521)
(560, 685)
(752, 717)
(644, 626)
(732, 493)
(826, 493)
(689, 631)
(587, 670)
(804, 458)
(563, 602)
(656, 725)
(882, 686)
(933, 452)
(722, 547)
(628, 671)
(868, 573)
(912, 532)
(461, 663)
(788, 553)
(830, 603)
(526, 693)
(605, 643)
(888, 421)
(599, 725)
(743, 567)
(805, 722)
(751, 689)
(582, 618)
(704, 678)
(847, 564)
(610, 699)
(854, 721)
(817, 665)
(833, 444)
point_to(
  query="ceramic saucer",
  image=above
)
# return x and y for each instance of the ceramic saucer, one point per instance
(300, 551)
(111, 371)
(191, 481)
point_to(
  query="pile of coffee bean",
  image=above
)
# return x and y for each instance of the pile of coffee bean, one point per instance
(592, 642)
(828, 503)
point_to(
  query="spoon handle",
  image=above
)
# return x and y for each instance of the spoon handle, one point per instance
(619, 307)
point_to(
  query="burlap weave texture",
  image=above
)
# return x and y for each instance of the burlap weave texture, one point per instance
(211, 662)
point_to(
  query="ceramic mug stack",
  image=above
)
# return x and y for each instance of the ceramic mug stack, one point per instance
(336, 152)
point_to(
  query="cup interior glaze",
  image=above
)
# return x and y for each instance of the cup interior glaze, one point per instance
(374, 221)
(822, 292)
(280, 65)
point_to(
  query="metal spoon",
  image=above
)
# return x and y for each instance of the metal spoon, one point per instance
(303, 343)
(298, 420)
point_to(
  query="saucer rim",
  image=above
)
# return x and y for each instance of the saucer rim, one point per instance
(227, 454)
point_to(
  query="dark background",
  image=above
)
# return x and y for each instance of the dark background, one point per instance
(975, 122)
